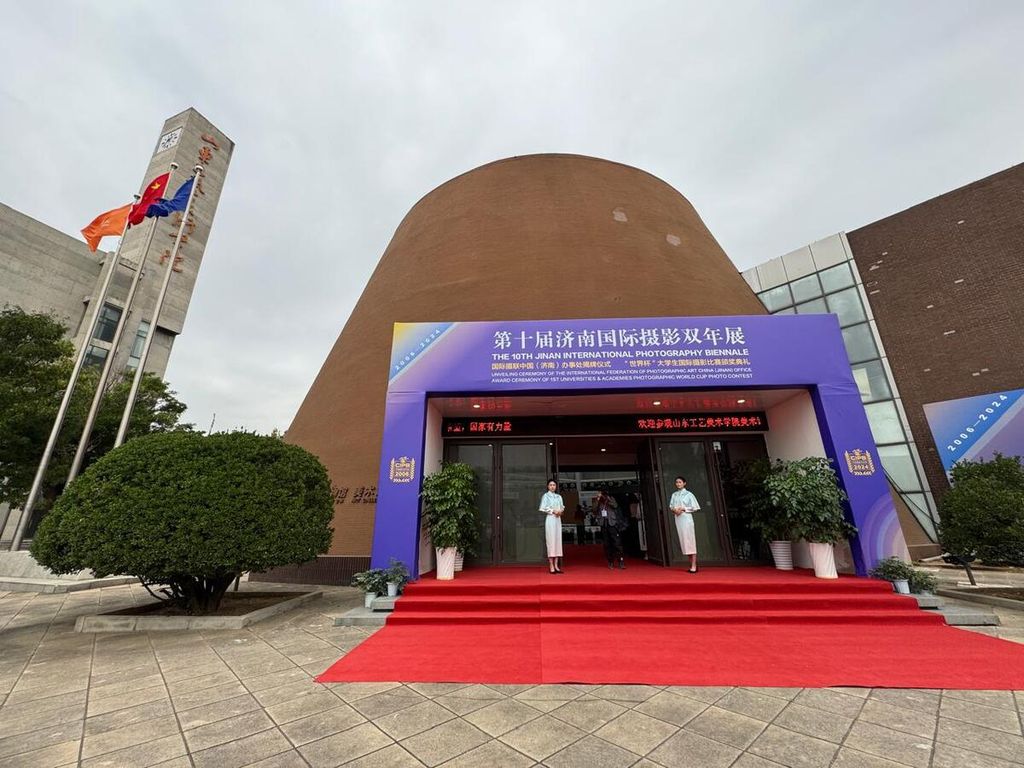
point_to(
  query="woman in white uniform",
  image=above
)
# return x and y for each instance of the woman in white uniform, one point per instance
(552, 505)
(682, 504)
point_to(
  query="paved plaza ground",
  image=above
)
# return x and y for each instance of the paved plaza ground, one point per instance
(247, 698)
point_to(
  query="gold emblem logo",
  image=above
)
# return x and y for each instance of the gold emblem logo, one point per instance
(859, 462)
(402, 470)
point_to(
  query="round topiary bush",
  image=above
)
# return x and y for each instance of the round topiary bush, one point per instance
(192, 512)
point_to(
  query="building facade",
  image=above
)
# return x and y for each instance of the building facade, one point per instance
(929, 301)
(596, 252)
(44, 270)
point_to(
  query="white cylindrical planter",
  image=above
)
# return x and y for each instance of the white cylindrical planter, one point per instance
(782, 554)
(459, 558)
(824, 559)
(368, 599)
(446, 563)
(802, 554)
(392, 589)
(902, 586)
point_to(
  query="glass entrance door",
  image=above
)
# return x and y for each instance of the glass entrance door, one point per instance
(653, 509)
(525, 470)
(480, 456)
(690, 460)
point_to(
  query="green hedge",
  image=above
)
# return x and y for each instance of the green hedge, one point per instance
(192, 512)
(983, 513)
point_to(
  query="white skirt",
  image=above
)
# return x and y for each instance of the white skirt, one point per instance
(687, 534)
(553, 535)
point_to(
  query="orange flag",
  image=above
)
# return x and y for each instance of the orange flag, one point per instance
(109, 223)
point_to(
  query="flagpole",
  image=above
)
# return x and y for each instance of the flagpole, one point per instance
(37, 483)
(137, 379)
(90, 419)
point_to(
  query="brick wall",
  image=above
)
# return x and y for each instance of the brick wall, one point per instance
(953, 263)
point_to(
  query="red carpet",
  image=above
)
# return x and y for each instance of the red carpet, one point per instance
(647, 624)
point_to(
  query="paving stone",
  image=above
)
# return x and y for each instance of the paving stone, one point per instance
(922, 701)
(860, 693)
(949, 756)
(490, 755)
(469, 699)
(793, 750)
(591, 752)
(980, 714)
(190, 699)
(218, 710)
(637, 732)
(587, 713)
(389, 757)
(45, 737)
(756, 705)
(707, 694)
(830, 701)
(747, 760)
(129, 735)
(998, 699)
(322, 724)
(350, 692)
(560, 693)
(46, 757)
(503, 716)
(290, 759)
(142, 755)
(415, 719)
(726, 727)
(126, 700)
(277, 679)
(814, 722)
(34, 721)
(629, 693)
(229, 729)
(690, 750)
(542, 737)
(381, 704)
(672, 708)
(899, 719)
(433, 690)
(851, 758)
(780, 693)
(894, 745)
(308, 703)
(444, 742)
(976, 738)
(244, 751)
(510, 690)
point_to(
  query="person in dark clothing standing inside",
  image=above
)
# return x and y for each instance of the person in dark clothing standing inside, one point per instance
(613, 523)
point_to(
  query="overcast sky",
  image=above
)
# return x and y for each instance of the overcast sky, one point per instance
(782, 122)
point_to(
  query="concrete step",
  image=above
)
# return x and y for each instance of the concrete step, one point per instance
(969, 617)
(52, 586)
(383, 603)
(361, 617)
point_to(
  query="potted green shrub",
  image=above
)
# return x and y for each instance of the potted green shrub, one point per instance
(373, 582)
(397, 576)
(449, 497)
(922, 582)
(809, 491)
(469, 538)
(771, 521)
(897, 571)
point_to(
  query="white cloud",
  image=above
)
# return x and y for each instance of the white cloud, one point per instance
(782, 122)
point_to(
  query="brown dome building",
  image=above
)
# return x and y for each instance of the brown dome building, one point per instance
(539, 237)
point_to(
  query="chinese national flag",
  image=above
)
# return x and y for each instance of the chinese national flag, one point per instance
(109, 223)
(153, 192)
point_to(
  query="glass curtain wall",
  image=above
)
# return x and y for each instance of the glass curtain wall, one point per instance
(834, 290)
